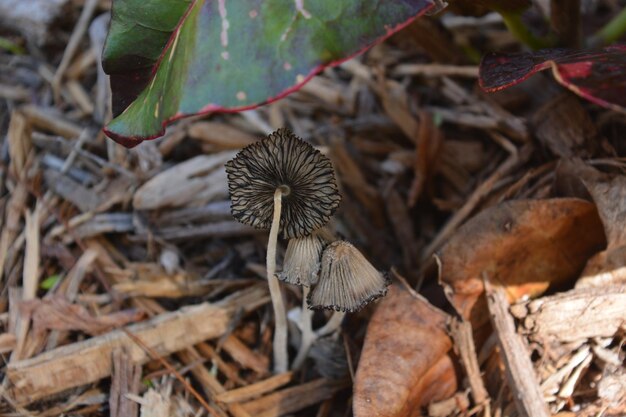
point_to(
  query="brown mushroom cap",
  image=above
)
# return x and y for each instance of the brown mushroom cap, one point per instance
(282, 160)
(302, 260)
(347, 280)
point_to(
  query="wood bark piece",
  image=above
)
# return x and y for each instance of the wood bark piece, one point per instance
(193, 182)
(461, 332)
(574, 315)
(126, 379)
(88, 361)
(518, 366)
(220, 135)
(245, 356)
(47, 119)
(293, 399)
(255, 390)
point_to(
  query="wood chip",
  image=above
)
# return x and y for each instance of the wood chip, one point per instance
(574, 315)
(84, 362)
(515, 354)
(255, 390)
(293, 399)
(193, 182)
(50, 120)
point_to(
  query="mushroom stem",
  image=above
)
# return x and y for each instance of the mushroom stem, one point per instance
(280, 316)
(306, 328)
(332, 324)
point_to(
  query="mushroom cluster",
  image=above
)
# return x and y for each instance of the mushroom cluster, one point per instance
(284, 184)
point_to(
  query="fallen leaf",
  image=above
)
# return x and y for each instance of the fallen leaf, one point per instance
(597, 75)
(404, 363)
(523, 245)
(609, 266)
(56, 313)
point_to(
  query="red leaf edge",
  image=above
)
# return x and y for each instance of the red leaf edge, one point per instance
(132, 141)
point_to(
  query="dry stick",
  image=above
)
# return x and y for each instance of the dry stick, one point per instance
(519, 369)
(280, 316)
(79, 31)
(155, 356)
(461, 332)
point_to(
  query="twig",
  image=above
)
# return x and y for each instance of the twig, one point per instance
(519, 369)
(72, 45)
(461, 332)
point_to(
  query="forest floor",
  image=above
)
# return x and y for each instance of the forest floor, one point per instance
(127, 287)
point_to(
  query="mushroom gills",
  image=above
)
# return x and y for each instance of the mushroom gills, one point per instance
(347, 280)
(302, 260)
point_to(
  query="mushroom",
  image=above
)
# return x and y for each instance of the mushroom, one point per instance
(302, 260)
(347, 280)
(283, 184)
(284, 166)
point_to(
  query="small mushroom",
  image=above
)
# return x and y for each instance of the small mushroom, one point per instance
(347, 280)
(283, 184)
(282, 162)
(302, 260)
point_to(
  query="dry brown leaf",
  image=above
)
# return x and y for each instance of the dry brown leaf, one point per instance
(56, 313)
(523, 245)
(404, 364)
(609, 266)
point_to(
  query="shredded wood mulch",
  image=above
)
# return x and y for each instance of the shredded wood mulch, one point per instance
(129, 289)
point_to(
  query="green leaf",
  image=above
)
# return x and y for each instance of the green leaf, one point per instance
(138, 33)
(50, 282)
(11, 46)
(227, 55)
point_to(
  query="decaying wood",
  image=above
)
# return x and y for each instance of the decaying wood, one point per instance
(48, 119)
(84, 362)
(255, 390)
(196, 181)
(219, 135)
(125, 379)
(461, 332)
(574, 315)
(246, 357)
(515, 354)
(293, 399)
